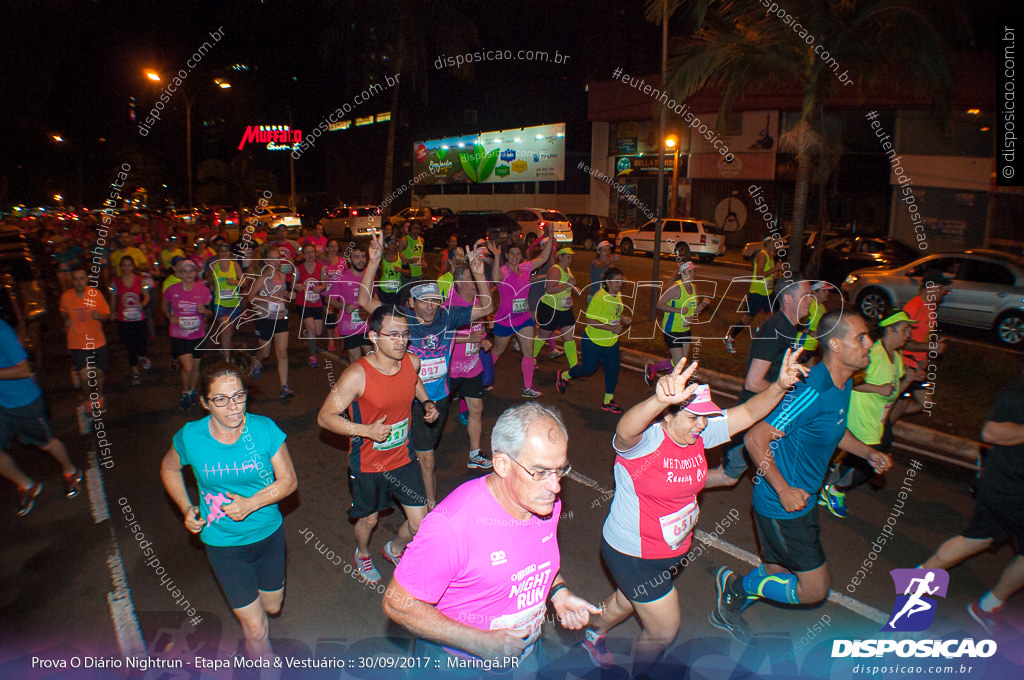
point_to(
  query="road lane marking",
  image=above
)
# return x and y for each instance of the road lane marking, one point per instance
(122, 609)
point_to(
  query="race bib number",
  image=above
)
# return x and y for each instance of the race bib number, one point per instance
(286, 268)
(355, 318)
(472, 348)
(677, 526)
(274, 307)
(520, 305)
(416, 261)
(399, 433)
(188, 323)
(530, 619)
(432, 370)
(389, 286)
(226, 293)
(566, 302)
(132, 314)
(312, 295)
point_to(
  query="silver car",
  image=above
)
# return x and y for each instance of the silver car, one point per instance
(987, 291)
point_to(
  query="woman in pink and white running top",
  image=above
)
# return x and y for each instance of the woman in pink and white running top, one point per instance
(514, 316)
(268, 300)
(185, 307)
(660, 467)
(309, 286)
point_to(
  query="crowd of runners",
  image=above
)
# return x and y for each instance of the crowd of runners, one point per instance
(421, 347)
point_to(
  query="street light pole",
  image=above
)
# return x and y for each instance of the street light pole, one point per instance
(661, 162)
(675, 181)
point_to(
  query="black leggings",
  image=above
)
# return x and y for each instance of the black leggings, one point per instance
(135, 337)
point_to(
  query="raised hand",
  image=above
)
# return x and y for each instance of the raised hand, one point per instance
(792, 371)
(673, 388)
(376, 249)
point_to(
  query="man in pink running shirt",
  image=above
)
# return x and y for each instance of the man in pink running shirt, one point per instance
(474, 583)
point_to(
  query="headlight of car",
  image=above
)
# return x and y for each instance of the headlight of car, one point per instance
(850, 279)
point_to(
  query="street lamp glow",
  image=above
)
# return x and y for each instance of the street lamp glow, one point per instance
(57, 138)
(671, 141)
(58, 197)
(223, 84)
(153, 75)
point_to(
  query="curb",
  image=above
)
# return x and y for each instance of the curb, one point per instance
(912, 438)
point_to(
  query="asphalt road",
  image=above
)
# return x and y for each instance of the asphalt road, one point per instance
(61, 592)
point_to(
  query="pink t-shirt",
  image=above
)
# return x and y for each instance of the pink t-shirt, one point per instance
(187, 306)
(514, 292)
(466, 355)
(481, 567)
(319, 242)
(346, 289)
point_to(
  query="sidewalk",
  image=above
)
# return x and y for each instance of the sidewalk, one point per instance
(911, 438)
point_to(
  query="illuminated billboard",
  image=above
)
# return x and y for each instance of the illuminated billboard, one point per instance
(533, 154)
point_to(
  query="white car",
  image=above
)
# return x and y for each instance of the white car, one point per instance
(276, 215)
(349, 221)
(678, 237)
(534, 220)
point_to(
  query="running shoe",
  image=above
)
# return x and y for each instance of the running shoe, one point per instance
(286, 392)
(136, 380)
(194, 397)
(312, 362)
(71, 483)
(555, 353)
(726, 614)
(612, 407)
(186, 401)
(146, 363)
(464, 418)
(832, 499)
(530, 393)
(479, 461)
(729, 347)
(560, 383)
(28, 498)
(987, 620)
(391, 556)
(596, 649)
(650, 375)
(365, 569)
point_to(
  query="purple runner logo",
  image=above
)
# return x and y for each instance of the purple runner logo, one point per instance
(914, 609)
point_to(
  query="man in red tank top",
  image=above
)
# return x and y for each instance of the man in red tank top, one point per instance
(372, 404)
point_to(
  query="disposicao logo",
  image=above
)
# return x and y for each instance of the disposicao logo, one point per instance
(914, 611)
(915, 589)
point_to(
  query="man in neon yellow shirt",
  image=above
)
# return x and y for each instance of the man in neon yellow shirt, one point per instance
(604, 322)
(874, 393)
(759, 296)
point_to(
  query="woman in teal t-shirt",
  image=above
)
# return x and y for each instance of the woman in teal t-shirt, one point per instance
(243, 470)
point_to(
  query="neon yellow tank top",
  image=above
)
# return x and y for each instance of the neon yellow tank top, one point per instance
(675, 322)
(563, 299)
(762, 285)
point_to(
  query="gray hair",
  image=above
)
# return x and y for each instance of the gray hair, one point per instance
(509, 433)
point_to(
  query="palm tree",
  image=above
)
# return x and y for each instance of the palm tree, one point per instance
(741, 49)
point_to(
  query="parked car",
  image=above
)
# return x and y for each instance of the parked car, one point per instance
(425, 216)
(222, 217)
(22, 293)
(350, 221)
(468, 227)
(810, 241)
(681, 238)
(533, 221)
(841, 256)
(276, 215)
(987, 291)
(589, 230)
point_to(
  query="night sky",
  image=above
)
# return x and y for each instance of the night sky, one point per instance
(72, 68)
